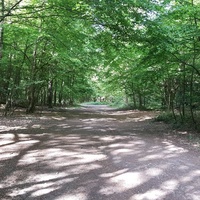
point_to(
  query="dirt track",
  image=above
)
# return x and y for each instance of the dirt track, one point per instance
(94, 153)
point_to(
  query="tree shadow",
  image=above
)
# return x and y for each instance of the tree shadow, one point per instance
(95, 160)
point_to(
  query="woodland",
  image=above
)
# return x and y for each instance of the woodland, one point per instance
(145, 54)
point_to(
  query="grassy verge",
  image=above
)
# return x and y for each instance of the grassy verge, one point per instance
(95, 103)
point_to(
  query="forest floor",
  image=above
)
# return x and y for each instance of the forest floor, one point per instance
(96, 153)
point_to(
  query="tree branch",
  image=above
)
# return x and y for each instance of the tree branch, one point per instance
(185, 63)
(10, 10)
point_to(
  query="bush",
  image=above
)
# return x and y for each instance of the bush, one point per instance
(165, 117)
(178, 122)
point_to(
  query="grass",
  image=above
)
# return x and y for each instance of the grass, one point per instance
(95, 103)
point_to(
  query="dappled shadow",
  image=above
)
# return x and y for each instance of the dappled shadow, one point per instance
(95, 158)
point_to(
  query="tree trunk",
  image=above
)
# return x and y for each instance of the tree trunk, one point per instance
(191, 97)
(126, 99)
(31, 99)
(32, 88)
(60, 95)
(50, 94)
(134, 101)
(172, 108)
(183, 94)
(55, 94)
(140, 99)
(2, 28)
(195, 53)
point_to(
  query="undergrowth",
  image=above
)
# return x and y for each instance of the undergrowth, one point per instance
(127, 106)
(178, 122)
(96, 103)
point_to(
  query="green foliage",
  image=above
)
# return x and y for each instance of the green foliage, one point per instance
(95, 103)
(177, 122)
(140, 54)
(166, 117)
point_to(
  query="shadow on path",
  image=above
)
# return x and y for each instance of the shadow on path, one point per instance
(96, 155)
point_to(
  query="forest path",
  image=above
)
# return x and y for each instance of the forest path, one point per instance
(95, 153)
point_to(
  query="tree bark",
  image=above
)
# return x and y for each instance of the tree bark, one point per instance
(2, 28)
(50, 94)
(31, 100)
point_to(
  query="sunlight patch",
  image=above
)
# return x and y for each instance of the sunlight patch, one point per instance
(84, 168)
(77, 196)
(194, 196)
(191, 176)
(5, 156)
(154, 171)
(107, 138)
(128, 180)
(108, 175)
(33, 187)
(122, 152)
(9, 128)
(52, 177)
(121, 181)
(127, 145)
(137, 119)
(36, 126)
(170, 148)
(98, 120)
(153, 194)
(44, 191)
(151, 157)
(170, 185)
(6, 141)
(63, 125)
(59, 118)
(85, 158)
(58, 157)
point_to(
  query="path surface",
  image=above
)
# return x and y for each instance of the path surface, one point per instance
(95, 153)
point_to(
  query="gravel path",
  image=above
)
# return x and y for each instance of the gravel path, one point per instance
(95, 153)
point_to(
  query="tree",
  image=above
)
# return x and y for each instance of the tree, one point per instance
(42, 41)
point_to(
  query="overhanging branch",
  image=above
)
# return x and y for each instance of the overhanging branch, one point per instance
(10, 10)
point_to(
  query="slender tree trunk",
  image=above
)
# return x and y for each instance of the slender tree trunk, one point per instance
(32, 87)
(183, 93)
(172, 95)
(144, 102)
(192, 74)
(44, 96)
(164, 95)
(173, 110)
(31, 100)
(191, 97)
(2, 28)
(134, 101)
(126, 99)
(140, 99)
(168, 94)
(55, 94)
(60, 95)
(55, 97)
(2, 95)
(50, 94)
(8, 87)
